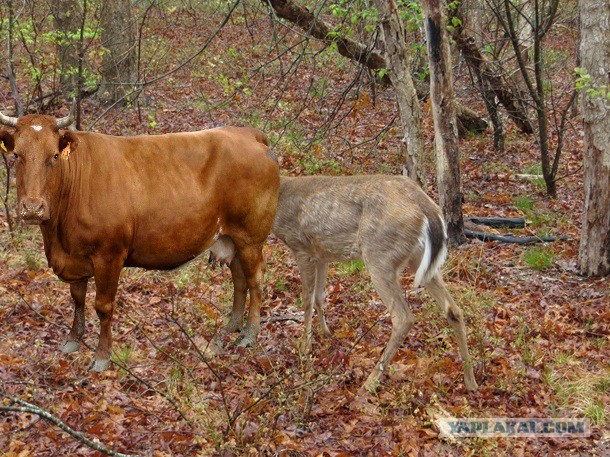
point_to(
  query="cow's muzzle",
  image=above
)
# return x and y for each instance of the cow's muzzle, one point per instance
(34, 211)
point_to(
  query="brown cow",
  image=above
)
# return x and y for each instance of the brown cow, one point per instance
(155, 202)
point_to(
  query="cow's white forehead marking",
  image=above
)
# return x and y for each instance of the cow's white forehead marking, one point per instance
(38, 128)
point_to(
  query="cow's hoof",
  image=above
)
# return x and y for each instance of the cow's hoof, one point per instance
(246, 339)
(70, 346)
(99, 365)
(234, 325)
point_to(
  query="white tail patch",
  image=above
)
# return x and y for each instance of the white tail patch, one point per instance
(38, 128)
(424, 240)
(427, 269)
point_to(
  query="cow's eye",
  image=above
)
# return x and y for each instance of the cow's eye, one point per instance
(56, 156)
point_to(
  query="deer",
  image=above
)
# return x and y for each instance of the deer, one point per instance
(390, 224)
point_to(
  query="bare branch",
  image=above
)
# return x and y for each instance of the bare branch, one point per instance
(316, 27)
(33, 409)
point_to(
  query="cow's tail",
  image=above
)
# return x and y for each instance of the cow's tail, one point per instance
(260, 136)
(433, 239)
(273, 156)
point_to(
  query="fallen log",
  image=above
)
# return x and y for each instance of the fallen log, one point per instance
(507, 239)
(469, 121)
(499, 222)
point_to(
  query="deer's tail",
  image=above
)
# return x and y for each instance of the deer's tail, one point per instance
(433, 239)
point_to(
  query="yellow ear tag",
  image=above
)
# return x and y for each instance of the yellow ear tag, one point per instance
(65, 153)
(2, 145)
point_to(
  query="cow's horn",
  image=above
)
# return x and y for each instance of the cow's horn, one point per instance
(64, 122)
(8, 120)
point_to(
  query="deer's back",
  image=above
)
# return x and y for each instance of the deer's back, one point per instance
(340, 218)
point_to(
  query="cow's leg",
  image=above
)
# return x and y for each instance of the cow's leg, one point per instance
(240, 289)
(106, 284)
(320, 294)
(78, 291)
(436, 288)
(253, 266)
(386, 283)
(308, 280)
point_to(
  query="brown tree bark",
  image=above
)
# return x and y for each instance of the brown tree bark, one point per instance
(525, 31)
(397, 60)
(442, 99)
(472, 19)
(68, 17)
(594, 255)
(119, 61)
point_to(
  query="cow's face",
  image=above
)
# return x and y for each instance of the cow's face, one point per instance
(35, 146)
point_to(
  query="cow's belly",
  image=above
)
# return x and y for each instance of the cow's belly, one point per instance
(165, 247)
(166, 256)
(167, 262)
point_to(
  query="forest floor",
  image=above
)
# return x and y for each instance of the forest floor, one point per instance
(538, 331)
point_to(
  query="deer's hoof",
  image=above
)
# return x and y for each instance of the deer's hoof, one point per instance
(471, 385)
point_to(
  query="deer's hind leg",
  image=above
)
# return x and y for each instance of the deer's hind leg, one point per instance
(438, 291)
(320, 294)
(308, 268)
(385, 280)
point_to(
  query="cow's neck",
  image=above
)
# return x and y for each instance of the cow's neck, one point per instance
(66, 203)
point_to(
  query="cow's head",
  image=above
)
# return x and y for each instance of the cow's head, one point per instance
(35, 146)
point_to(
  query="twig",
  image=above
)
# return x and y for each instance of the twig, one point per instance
(33, 409)
(284, 318)
(117, 363)
(14, 90)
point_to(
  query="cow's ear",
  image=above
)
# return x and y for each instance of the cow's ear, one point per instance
(6, 141)
(67, 141)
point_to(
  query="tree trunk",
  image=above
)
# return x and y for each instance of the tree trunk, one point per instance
(544, 17)
(492, 83)
(525, 31)
(68, 17)
(594, 255)
(119, 61)
(472, 20)
(397, 60)
(445, 126)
